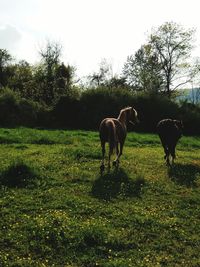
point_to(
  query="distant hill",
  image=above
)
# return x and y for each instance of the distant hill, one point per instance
(191, 95)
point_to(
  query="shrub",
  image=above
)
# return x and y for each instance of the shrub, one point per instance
(9, 108)
(15, 111)
(66, 112)
(96, 104)
(191, 118)
(152, 108)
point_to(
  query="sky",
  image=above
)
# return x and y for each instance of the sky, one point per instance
(89, 30)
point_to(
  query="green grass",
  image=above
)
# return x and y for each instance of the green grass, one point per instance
(57, 210)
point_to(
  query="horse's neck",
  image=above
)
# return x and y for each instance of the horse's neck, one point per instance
(122, 118)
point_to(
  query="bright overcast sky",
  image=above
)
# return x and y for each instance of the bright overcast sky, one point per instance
(89, 30)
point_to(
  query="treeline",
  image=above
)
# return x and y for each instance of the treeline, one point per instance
(96, 104)
(49, 94)
(92, 106)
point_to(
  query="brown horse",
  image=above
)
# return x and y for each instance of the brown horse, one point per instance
(114, 132)
(169, 131)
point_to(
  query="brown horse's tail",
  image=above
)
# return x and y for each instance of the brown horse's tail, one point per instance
(112, 140)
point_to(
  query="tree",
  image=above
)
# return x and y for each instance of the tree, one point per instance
(163, 63)
(118, 82)
(5, 59)
(64, 78)
(50, 61)
(21, 80)
(173, 45)
(54, 78)
(103, 76)
(143, 71)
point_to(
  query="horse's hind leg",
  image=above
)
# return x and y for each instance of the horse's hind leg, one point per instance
(109, 158)
(165, 147)
(102, 167)
(119, 153)
(167, 153)
(116, 161)
(172, 152)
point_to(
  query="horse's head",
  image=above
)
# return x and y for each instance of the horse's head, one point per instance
(132, 116)
(128, 115)
(179, 124)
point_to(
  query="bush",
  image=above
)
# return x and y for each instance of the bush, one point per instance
(9, 108)
(152, 108)
(28, 112)
(97, 104)
(94, 105)
(66, 112)
(17, 111)
(190, 114)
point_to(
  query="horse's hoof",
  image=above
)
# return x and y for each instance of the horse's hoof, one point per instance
(168, 164)
(115, 163)
(102, 168)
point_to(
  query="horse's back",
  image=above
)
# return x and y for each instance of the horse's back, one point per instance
(168, 129)
(106, 125)
(104, 129)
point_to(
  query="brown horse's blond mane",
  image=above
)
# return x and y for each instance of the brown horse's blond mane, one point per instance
(123, 114)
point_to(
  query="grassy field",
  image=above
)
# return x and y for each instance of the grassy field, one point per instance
(56, 209)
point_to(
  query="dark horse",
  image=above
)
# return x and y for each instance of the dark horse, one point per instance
(114, 132)
(169, 131)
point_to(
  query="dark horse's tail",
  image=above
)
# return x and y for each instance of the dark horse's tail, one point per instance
(112, 140)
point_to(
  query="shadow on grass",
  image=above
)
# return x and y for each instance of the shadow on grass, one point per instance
(19, 174)
(117, 183)
(184, 174)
